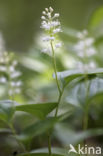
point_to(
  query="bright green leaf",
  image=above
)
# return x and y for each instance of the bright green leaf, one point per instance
(70, 75)
(96, 22)
(39, 110)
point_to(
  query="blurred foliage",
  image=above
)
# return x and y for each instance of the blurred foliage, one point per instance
(25, 120)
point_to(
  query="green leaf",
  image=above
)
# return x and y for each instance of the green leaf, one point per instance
(39, 154)
(38, 128)
(68, 136)
(53, 149)
(78, 93)
(7, 110)
(96, 22)
(5, 130)
(70, 75)
(39, 110)
(70, 32)
(97, 17)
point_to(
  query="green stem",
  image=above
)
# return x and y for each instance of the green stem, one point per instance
(86, 115)
(85, 126)
(13, 129)
(59, 99)
(60, 94)
(49, 145)
(14, 133)
(55, 69)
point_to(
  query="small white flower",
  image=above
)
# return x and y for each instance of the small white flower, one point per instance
(16, 84)
(3, 80)
(43, 17)
(82, 66)
(84, 47)
(15, 74)
(83, 34)
(19, 83)
(90, 51)
(89, 41)
(56, 30)
(52, 38)
(11, 69)
(51, 9)
(55, 24)
(14, 63)
(48, 38)
(56, 15)
(47, 9)
(46, 51)
(13, 84)
(11, 92)
(92, 65)
(49, 15)
(44, 12)
(17, 91)
(51, 25)
(58, 45)
(3, 68)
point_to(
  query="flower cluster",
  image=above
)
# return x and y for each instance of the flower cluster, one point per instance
(4, 59)
(52, 27)
(85, 46)
(8, 73)
(14, 82)
(85, 49)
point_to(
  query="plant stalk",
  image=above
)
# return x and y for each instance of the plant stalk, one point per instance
(49, 145)
(55, 68)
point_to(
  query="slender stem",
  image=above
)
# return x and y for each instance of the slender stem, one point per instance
(55, 69)
(60, 94)
(85, 126)
(87, 85)
(19, 142)
(59, 99)
(49, 145)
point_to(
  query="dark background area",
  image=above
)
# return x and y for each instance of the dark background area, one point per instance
(20, 19)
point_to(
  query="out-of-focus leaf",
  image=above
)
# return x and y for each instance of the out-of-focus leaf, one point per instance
(39, 154)
(96, 22)
(5, 130)
(65, 112)
(70, 75)
(67, 136)
(38, 128)
(39, 110)
(33, 64)
(77, 94)
(53, 149)
(70, 32)
(7, 110)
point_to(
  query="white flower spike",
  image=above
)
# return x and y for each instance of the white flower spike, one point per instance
(8, 73)
(84, 47)
(52, 27)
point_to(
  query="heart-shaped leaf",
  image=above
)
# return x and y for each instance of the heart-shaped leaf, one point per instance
(39, 110)
(70, 75)
(78, 94)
